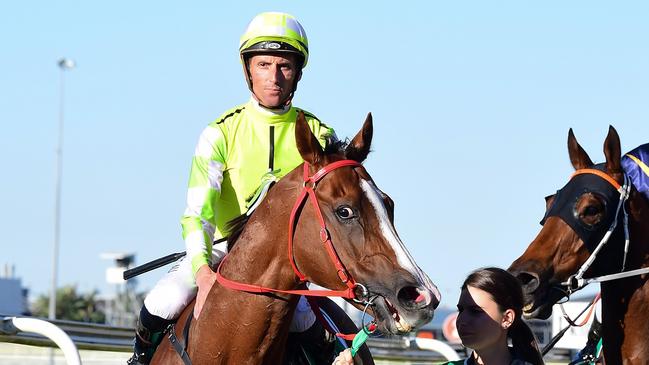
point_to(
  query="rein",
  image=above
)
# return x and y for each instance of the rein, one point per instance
(571, 323)
(309, 186)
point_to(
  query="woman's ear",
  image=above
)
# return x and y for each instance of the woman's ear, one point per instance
(508, 318)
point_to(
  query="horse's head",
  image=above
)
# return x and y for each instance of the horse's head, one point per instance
(359, 220)
(577, 219)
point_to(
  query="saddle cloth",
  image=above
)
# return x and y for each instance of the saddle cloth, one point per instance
(636, 166)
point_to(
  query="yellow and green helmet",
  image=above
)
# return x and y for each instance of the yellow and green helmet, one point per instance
(274, 32)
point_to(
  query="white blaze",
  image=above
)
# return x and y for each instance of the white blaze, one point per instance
(404, 258)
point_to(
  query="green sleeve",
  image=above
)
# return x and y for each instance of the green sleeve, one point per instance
(204, 189)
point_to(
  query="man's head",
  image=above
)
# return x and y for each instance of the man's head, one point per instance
(273, 77)
(273, 43)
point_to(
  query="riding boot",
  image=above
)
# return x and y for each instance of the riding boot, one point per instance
(589, 352)
(148, 334)
(595, 332)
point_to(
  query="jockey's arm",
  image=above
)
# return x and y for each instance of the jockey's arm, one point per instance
(204, 192)
(198, 221)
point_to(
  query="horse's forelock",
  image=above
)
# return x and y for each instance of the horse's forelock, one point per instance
(336, 147)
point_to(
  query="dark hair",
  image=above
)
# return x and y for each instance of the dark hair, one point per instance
(506, 291)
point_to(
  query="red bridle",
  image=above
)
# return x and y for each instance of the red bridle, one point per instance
(310, 183)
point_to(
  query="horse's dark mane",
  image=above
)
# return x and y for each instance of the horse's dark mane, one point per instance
(234, 229)
(235, 226)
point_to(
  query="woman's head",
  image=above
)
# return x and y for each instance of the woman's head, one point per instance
(502, 286)
(490, 302)
(490, 310)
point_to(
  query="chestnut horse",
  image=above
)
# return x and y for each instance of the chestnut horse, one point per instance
(241, 327)
(583, 236)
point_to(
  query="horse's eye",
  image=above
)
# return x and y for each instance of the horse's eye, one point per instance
(590, 210)
(345, 212)
(591, 215)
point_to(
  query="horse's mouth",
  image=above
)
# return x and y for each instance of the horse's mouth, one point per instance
(400, 323)
(389, 319)
(539, 304)
(536, 310)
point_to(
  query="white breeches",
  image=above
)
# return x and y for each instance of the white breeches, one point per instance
(177, 288)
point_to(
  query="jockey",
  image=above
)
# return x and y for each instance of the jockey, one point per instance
(236, 156)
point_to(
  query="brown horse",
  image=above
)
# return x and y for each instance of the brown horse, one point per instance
(573, 243)
(239, 327)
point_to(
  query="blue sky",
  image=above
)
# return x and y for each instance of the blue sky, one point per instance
(472, 102)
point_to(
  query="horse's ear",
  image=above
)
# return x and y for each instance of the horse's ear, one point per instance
(307, 143)
(578, 156)
(548, 201)
(612, 151)
(359, 147)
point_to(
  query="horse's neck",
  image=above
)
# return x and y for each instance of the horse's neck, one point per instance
(254, 326)
(260, 255)
(625, 311)
(638, 255)
(625, 302)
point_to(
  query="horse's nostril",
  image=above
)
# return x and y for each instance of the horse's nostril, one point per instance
(530, 281)
(408, 294)
(415, 297)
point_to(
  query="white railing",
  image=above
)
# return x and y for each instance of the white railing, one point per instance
(86, 336)
(437, 346)
(412, 350)
(15, 325)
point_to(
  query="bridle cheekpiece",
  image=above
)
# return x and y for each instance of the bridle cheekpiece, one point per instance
(310, 183)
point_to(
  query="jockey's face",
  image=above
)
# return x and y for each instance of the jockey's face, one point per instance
(273, 77)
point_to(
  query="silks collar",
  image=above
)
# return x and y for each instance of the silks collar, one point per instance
(269, 111)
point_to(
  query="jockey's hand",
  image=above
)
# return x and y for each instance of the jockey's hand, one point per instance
(205, 278)
(344, 358)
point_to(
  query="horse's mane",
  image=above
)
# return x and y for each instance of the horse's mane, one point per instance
(235, 226)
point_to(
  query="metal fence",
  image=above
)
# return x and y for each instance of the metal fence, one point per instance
(97, 337)
(86, 336)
